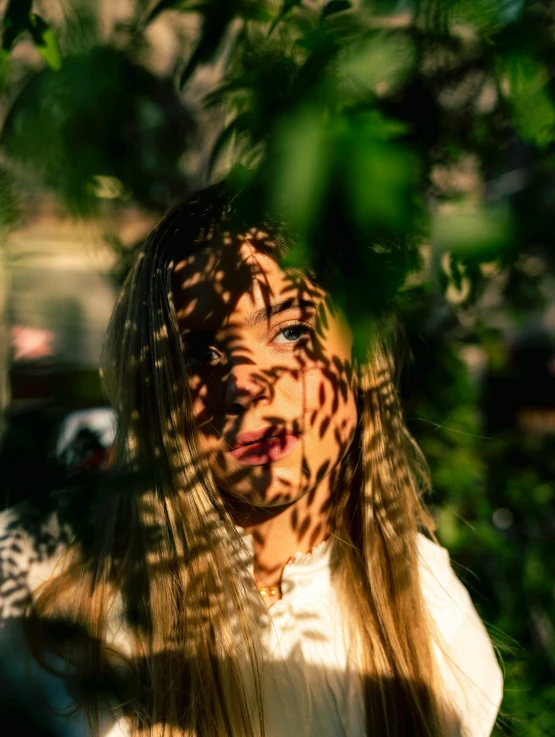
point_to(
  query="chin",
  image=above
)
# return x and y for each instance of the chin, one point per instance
(274, 496)
(280, 491)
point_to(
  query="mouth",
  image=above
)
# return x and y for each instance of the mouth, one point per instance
(263, 446)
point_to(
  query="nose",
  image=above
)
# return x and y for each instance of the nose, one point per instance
(243, 388)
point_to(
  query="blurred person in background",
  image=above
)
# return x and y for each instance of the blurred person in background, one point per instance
(266, 565)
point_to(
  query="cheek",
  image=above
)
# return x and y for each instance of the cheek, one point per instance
(205, 403)
(348, 420)
(330, 410)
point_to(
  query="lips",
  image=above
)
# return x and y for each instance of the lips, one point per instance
(263, 446)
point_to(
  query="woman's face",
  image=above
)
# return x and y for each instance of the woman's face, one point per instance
(269, 363)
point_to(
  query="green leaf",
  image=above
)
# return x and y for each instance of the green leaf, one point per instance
(16, 21)
(45, 41)
(525, 82)
(217, 17)
(285, 12)
(237, 125)
(379, 63)
(480, 233)
(302, 168)
(253, 11)
(335, 6)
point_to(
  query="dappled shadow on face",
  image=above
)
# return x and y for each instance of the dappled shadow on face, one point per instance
(269, 364)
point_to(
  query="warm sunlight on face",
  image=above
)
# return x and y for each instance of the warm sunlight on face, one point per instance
(269, 361)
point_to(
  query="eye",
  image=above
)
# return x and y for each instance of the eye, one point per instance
(293, 333)
(199, 354)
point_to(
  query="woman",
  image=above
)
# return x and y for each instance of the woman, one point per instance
(263, 571)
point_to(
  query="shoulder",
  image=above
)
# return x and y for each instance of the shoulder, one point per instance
(30, 540)
(446, 597)
(465, 653)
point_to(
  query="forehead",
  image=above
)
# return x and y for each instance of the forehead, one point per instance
(224, 280)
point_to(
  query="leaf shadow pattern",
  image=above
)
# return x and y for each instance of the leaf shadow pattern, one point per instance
(163, 538)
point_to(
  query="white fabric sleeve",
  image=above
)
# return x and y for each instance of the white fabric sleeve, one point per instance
(465, 654)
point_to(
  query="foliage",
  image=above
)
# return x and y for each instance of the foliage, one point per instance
(19, 20)
(411, 147)
(81, 130)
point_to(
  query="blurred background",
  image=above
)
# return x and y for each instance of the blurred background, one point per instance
(410, 145)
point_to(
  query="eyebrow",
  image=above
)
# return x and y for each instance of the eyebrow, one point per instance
(267, 312)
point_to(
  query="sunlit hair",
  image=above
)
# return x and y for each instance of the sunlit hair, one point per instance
(164, 550)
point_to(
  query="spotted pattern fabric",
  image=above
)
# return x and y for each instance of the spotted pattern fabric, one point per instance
(29, 541)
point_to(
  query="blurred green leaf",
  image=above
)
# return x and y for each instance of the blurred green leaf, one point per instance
(335, 6)
(484, 15)
(284, 13)
(524, 80)
(16, 21)
(99, 115)
(239, 125)
(449, 527)
(301, 171)
(216, 19)
(379, 62)
(45, 41)
(479, 233)
(380, 175)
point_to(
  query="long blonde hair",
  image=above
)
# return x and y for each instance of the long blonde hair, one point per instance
(164, 546)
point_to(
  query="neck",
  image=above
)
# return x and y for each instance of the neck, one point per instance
(279, 533)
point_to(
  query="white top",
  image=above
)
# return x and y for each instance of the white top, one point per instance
(310, 683)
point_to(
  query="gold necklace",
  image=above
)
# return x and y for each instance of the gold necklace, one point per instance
(269, 591)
